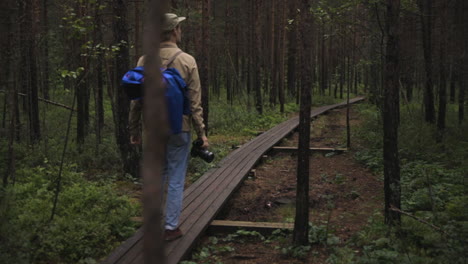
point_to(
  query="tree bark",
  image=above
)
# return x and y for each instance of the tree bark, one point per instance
(45, 50)
(323, 66)
(8, 13)
(463, 77)
(154, 150)
(205, 61)
(82, 88)
(453, 87)
(274, 63)
(128, 154)
(443, 74)
(32, 85)
(99, 87)
(282, 51)
(425, 7)
(258, 59)
(301, 223)
(461, 101)
(292, 48)
(137, 31)
(390, 116)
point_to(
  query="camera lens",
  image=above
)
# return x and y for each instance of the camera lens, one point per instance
(206, 155)
(198, 151)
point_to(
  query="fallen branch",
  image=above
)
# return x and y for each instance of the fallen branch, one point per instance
(246, 257)
(45, 101)
(393, 208)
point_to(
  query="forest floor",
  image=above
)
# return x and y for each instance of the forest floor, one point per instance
(343, 196)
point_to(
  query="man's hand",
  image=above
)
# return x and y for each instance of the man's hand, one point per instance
(205, 142)
(135, 140)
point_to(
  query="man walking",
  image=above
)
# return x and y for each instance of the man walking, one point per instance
(178, 145)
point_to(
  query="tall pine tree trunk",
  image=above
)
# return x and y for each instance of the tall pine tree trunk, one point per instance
(443, 74)
(463, 78)
(8, 15)
(33, 84)
(301, 223)
(99, 86)
(45, 50)
(128, 154)
(390, 109)
(282, 51)
(453, 87)
(323, 82)
(205, 61)
(425, 7)
(82, 88)
(258, 59)
(292, 48)
(157, 134)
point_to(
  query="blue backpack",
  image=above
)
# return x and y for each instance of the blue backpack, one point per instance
(177, 101)
(132, 83)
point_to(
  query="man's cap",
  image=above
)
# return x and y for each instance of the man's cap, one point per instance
(171, 21)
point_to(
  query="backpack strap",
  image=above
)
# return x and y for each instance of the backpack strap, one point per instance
(171, 60)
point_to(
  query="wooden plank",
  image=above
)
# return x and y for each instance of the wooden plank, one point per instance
(294, 149)
(204, 198)
(246, 224)
(217, 226)
(124, 248)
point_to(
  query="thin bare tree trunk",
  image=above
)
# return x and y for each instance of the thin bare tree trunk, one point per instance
(8, 13)
(128, 154)
(323, 82)
(99, 86)
(137, 31)
(292, 48)
(273, 54)
(301, 223)
(45, 50)
(425, 7)
(390, 115)
(282, 51)
(258, 59)
(443, 74)
(33, 84)
(154, 150)
(463, 76)
(205, 61)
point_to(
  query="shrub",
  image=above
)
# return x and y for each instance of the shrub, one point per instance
(90, 218)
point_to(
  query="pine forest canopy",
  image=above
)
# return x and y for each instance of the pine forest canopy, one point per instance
(248, 49)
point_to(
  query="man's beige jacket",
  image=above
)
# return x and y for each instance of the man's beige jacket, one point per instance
(187, 67)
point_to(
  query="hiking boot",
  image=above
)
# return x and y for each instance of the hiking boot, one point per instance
(170, 235)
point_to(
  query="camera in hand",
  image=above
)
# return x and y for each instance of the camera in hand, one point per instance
(198, 151)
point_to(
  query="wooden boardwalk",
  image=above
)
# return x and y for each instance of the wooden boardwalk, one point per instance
(204, 198)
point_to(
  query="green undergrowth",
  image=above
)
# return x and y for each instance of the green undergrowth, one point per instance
(279, 241)
(93, 215)
(238, 120)
(434, 192)
(90, 217)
